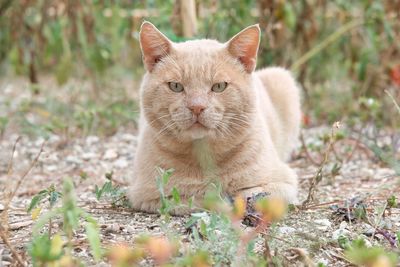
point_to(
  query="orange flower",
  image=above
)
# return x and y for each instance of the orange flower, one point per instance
(395, 75)
(271, 209)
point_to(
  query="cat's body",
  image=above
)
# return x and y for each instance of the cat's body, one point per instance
(207, 115)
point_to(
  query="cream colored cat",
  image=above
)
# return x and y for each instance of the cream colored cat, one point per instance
(208, 115)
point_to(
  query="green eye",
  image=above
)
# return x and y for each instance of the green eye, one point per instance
(219, 87)
(176, 87)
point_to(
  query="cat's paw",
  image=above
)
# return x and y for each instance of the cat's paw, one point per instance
(284, 191)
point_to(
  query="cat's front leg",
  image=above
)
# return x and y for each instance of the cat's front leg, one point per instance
(143, 202)
(279, 182)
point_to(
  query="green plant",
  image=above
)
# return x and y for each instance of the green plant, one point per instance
(113, 193)
(71, 215)
(358, 253)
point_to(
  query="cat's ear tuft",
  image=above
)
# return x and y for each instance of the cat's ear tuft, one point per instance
(244, 46)
(154, 45)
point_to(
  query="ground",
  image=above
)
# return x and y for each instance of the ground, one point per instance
(361, 181)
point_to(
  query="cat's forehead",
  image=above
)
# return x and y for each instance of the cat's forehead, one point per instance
(198, 59)
(198, 46)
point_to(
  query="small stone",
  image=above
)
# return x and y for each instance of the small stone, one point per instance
(128, 137)
(324, 262)
(343, 225)
(323, 224)
(285, 230)
(110, 154)
(88, 156)
(1, 207)
(113, 228)
(90, 140)
(72, 159)
(130, 229)
(51, 168)
(121, 163)
(340, 232)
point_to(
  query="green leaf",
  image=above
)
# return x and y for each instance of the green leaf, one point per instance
(93, 236)
(34, 202)
(166, 175)
(203, 228)
(64, 69)
(54, 196)
(176, 196)
(289, 15)
(40, 249)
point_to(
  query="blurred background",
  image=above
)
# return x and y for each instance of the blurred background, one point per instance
(73, 67)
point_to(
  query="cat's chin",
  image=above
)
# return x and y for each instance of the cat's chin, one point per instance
(197, 132)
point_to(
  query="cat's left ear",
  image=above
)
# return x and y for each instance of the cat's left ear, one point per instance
(244, 46)
(154, 44)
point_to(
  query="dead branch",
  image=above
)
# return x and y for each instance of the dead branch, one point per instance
(4, 216)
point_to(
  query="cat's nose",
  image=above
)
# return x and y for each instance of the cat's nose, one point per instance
(197, 104)
(197, 109)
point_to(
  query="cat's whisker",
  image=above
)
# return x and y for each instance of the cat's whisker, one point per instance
(156, 119)
(167, 127)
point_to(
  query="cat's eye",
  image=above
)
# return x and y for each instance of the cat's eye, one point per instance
(219, 87)
(176, 87)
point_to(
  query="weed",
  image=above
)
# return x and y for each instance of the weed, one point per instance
(114, 194)
(358, 253)
(45, 249)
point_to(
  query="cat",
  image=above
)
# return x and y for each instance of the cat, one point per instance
(206, 113)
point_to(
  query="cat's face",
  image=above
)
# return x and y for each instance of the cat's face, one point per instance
(198, 89)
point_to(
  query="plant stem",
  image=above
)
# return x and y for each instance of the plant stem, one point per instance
(394, 101)
(325, 43)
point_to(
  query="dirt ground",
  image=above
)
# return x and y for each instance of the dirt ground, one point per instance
(361, 179)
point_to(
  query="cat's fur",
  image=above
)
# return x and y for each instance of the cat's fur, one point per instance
(249, 129)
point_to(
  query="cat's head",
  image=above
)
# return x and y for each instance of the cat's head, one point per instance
(200, 88)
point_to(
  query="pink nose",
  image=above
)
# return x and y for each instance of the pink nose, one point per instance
(197, 109)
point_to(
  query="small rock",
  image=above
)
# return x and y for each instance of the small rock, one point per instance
(340, 232)
(88, 156)
(285, 230)
(72, 159)
(110, 154)
(121, 163)
(130, 229)
(113, 228)
(90, 140)
(324, 262)
(343, 225)
(51, 168)
(1, 207)
(323, 224)
(128, 137)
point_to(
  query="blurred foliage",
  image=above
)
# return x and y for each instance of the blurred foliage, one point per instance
(344, 53)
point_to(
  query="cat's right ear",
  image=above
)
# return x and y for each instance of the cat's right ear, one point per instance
(154, 45)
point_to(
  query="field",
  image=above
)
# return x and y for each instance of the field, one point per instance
(68, 134)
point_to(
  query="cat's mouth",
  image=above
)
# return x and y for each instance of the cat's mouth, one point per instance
(197, 125)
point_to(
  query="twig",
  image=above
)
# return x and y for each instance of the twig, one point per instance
(318, 176)
(33, 163)
(340, 257)
(10, 247)
(10, 164)
(394, 100)
(355, 147)
(4, 216)
(378, 221)
(267, 252)
(324, 204)
(309, 157)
